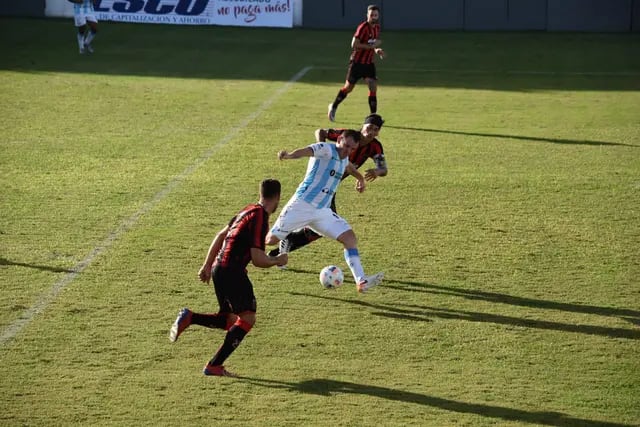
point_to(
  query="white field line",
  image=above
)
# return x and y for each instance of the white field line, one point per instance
(511, 72)
(50, 295)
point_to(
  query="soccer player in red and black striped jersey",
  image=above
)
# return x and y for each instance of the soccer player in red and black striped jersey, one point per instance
(368, 148)
(365, 44)
(241, 241)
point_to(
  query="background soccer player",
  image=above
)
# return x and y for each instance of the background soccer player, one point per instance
(239, 242)
(368, 148)
(364, 44)
(84, 16)
(310, 205)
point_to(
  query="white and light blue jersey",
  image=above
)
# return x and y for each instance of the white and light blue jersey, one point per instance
(86, 7)
(324, 172)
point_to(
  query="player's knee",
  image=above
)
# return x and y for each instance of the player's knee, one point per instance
(348, 239)
(271, 239)
(246, 321)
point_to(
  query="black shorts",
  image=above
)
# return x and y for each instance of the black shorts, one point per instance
(358, 71)
(234, 290)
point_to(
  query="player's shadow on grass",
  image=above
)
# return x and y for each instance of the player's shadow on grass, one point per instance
(327, 387)
(4, 261)
(518, 137)
(632, 316)
(426, 314)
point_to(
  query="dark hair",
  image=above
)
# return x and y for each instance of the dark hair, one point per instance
(374, 119)
(352, 133)
(270, 188)
(373, 7)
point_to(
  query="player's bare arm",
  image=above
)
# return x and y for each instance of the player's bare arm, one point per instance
(295, 154)
(379, 170)
(352, 170)
(205, 271)
(259, 258)
(371, 174)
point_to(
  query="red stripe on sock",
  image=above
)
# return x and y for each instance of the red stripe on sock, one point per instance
(245, 326)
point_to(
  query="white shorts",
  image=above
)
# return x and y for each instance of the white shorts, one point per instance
(298, 214)
(81, 18)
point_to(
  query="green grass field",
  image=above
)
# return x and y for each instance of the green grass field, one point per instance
(508, 229)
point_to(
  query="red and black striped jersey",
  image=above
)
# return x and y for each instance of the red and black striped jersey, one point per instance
(248, 229)
(372, 150)
(365, 33)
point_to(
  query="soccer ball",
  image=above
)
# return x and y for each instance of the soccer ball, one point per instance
(331, 277)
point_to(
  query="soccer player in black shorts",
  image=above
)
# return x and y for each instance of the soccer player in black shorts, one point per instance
(364, 44)
(368, 148)
(238, 243)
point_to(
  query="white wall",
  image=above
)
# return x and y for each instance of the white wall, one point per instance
(58, 8)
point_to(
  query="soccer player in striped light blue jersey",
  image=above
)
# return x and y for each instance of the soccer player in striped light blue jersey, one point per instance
(85, 20)
(311, 203)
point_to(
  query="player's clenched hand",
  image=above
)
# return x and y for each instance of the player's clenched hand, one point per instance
(360, 185)
(282, 259)
(204, 274)
(282, 154)
(370, 174)
(380, 53)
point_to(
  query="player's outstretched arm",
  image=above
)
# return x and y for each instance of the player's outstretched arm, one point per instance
(295, 154)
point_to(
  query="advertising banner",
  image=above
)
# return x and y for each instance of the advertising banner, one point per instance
(251, 13)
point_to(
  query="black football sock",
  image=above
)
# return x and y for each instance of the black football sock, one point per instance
(301, 238)
(231, 341)
(373, 103)
(217, 321)
(339, 98)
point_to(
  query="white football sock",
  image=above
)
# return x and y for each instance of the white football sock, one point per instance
(352, 257)
(89, 37)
